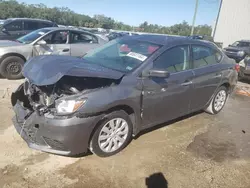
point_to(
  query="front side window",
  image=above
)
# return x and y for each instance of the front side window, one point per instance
(123, 54)
(82, 38)
(203, 56)
(14, 26)
(57, 37)
(173, 60)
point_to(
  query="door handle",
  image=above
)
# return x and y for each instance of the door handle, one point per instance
(65, 50)
(187, 83)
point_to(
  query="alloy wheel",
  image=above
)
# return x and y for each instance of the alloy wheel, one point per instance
(14, 68)
(220, 100)
(113, 135)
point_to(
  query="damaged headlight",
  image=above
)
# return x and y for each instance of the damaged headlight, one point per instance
(69, 106)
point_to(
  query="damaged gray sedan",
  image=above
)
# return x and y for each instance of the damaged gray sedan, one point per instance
(69, 105)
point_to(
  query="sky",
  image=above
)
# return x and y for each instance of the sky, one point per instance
(135, 12)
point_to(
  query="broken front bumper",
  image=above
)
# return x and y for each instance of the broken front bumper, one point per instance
(62, 136)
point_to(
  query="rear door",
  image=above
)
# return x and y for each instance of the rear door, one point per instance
(13, 30)
(168, 98)
(57, 43)
(208, 74)
(81, 43)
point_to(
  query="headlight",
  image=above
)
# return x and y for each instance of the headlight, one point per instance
(69, 106)
(241, 53)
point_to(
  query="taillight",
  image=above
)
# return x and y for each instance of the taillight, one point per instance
(237, 67)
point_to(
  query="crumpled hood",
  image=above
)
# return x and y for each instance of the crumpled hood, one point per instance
(7, 43)
(47, 70)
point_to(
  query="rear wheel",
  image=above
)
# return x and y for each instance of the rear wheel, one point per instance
(218, 101)
(11, 67)
(112, 135)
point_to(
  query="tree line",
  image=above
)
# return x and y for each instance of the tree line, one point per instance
(65, 16)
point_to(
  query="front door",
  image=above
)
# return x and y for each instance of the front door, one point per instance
(81, 43)
(207, 69)
(56, 44)
(168, 98)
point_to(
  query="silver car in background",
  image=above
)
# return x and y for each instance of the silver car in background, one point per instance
(46, 41)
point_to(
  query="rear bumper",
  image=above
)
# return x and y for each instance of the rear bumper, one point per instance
(67, 136)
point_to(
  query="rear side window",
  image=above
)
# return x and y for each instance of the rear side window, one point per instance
(82, 38)
(203, 56)
(31, 25)
(14, 26)
(45, 24)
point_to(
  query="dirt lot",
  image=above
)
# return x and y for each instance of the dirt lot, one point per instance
(198, 151)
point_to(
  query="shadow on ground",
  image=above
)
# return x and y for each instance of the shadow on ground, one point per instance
(156, 180)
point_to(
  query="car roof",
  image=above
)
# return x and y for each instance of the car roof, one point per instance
(33, 19)
(168, 39)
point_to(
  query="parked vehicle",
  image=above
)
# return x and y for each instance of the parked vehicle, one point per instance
(115, 35)
(68, 105)
(14, 28)
(205, 37)
(244, 72)
(238, 50)
(202, 37)
(46, 41)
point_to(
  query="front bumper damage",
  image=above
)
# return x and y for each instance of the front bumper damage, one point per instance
(58, 135)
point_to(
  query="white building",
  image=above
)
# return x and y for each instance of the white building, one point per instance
(233, 22)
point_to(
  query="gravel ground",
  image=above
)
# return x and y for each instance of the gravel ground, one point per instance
(200, 150)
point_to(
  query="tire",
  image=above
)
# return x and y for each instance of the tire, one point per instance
(216, 104)
(110, 149)
(11, 67)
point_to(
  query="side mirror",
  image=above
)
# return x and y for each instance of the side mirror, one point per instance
(157, 73)
(41, 42)
(230, 45)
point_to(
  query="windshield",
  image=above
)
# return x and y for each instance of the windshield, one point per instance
(123, 55)
(26, 39)
(241, 44)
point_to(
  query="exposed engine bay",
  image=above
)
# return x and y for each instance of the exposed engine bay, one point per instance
(42, 98)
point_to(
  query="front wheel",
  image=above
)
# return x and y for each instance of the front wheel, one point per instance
(11, 67)
(218, 101)
(112, 135)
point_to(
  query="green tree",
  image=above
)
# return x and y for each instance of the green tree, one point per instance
(65, 16)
